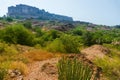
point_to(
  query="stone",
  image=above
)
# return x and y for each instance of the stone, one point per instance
(14, 73)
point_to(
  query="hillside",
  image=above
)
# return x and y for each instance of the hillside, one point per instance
(22, 11)
(58, 50)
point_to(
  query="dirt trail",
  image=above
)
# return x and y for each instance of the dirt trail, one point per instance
(38, 70)
(47, 69)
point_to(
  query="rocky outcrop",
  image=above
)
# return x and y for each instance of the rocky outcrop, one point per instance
(14, 75)
(95, 51)
(25, 11)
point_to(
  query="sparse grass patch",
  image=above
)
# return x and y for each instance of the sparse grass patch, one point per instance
(6, 49)
(113, 47)
(69, 69)
(110, 67)
(5, 64)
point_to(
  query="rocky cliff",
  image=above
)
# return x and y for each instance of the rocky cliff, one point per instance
(25, 11)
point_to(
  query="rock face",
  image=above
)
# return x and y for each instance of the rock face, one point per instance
(25, 11)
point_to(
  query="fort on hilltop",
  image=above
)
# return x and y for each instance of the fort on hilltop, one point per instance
(25, 11)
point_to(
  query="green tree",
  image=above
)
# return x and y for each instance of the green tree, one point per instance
(9, 19)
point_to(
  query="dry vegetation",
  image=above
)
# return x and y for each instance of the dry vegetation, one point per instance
(22, 67)
(38, 55)
(25, 48)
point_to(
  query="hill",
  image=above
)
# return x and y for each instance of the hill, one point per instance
(25, 11)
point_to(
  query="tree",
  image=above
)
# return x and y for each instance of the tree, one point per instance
(9, 19)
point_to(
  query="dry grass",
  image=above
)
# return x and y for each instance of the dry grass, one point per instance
(20, 66)
(38, 55)
(1, 58)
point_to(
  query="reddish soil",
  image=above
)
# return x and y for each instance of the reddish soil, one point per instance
(95, 51)
(43, 70)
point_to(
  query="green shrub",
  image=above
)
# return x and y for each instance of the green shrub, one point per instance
(110, 67)
(27, 24)
(39, 32)
(70, 43)
(17, 34)
(54, 34)
(77, 32)
(87, 38)
(2, 47)
(98, 38)
(51, 35)
(1, 18)
(41, 41)
(4, 66)
(65, 44)
(9, 19)
(7, 49)
(45, 37)
(3, 73)
(56, 46)
(69, 69)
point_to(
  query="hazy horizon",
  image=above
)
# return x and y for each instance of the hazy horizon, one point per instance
(105, 12)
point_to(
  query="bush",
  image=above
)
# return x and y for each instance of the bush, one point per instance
(9, 19)
(54, 34)
(1, 18)
(69, 69)
(4, 66)
(2, 73)
(77, 32)
(110, 66)
(27, 24)
(44, 38)
(39, 41)
(56, 46)
(51, 35)
(7, 49)
(64, 44)
(98, 38)
(39, 32)
(70, 43)
(87, 38)
(17, 34)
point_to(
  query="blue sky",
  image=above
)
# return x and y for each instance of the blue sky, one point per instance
(106, 12)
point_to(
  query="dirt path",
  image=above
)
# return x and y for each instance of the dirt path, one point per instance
(40, 71)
